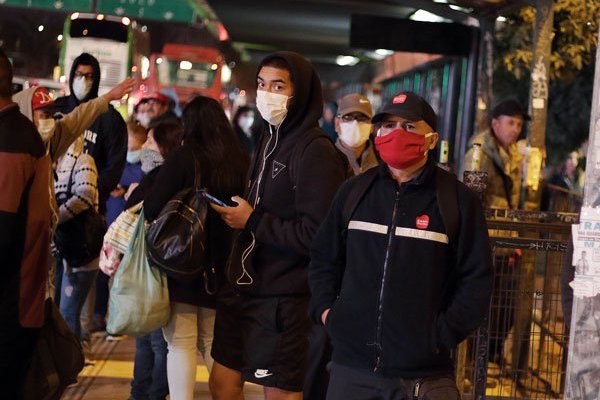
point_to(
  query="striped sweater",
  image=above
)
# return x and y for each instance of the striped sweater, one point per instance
(84, 186)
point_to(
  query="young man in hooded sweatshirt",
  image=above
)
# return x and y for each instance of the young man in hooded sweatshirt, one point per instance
(405, 276)
(106, 138)
(262, 324)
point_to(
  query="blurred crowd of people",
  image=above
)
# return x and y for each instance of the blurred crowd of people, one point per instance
(319, 213)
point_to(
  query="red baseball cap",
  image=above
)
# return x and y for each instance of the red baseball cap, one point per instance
(41, 99)
(155, 96)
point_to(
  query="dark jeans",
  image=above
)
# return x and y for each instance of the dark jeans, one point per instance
(349, 383)
(71, 295)
(319, 355)
(150, 367)
(101, 304)
(17, 346)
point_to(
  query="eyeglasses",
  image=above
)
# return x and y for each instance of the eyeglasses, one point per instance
(89, 76)
(154, 102)
(357, 118)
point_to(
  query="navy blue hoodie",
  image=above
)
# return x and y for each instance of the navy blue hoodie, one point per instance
(106, 138)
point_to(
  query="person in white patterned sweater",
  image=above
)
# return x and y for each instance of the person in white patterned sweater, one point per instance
(73, 282)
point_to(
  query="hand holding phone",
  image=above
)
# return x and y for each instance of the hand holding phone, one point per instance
(214, 200)
(235, 216)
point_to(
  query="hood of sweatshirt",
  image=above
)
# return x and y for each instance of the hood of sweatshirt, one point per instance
(23, 99)
(307, 102)
(85, 59)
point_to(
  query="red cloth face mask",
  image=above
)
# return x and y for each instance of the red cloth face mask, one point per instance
(401, 149)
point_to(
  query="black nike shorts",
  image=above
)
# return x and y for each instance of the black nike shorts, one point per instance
(265, 338)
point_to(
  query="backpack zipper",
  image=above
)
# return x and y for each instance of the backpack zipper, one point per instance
(416, 390)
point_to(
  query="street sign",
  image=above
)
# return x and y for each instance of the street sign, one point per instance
(172, 10)
(58, 5)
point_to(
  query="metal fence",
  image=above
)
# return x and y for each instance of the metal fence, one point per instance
(520, 353)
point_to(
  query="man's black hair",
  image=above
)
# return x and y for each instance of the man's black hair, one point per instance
(6, 76)
(279, 63)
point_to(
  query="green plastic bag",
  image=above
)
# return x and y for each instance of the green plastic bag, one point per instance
(139, 297)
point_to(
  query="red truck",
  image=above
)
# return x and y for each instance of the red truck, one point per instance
(188, 70)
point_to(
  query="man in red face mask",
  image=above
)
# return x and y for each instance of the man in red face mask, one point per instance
(400, 268)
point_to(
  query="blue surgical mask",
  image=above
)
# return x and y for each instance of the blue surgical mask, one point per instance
(133, 157)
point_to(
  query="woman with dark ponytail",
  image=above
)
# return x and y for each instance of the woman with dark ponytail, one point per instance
(210, 143)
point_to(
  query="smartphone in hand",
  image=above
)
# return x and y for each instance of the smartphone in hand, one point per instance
(214, 200)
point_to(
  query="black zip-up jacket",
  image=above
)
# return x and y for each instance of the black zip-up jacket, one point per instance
(290, 197)
(400, 297)
(105, 139)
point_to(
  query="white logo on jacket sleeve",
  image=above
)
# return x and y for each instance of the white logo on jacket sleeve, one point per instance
(262, 373)
(277, 168)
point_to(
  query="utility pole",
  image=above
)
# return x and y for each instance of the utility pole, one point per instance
(582, 365)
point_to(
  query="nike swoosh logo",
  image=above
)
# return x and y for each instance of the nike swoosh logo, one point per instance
(259, 376)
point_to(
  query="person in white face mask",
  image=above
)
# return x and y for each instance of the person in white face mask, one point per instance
(294, 175)
(106, 137)
(244, 126)
(353, 126)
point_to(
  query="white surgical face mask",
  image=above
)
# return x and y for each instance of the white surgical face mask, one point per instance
(245, 122)
(354, 133)
(46, 128)
(81, 87)
(144, 119)
(272, 106)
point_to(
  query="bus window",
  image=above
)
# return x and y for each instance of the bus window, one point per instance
(184, 73)
(99, 29)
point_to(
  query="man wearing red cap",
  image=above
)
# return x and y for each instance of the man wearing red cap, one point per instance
(152, 108)
(403, 276)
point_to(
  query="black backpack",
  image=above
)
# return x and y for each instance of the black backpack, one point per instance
(57, 358)
(446, 191)
(177, 239)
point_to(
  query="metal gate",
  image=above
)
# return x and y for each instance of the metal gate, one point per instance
(520, 352)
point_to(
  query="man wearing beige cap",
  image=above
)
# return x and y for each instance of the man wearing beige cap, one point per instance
(353, 126)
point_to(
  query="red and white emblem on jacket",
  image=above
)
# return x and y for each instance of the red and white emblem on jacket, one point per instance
(423, 221)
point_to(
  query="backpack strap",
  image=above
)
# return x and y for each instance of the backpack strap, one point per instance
(447, 198)
(357, 192)
(297, 151)
(312, 135)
